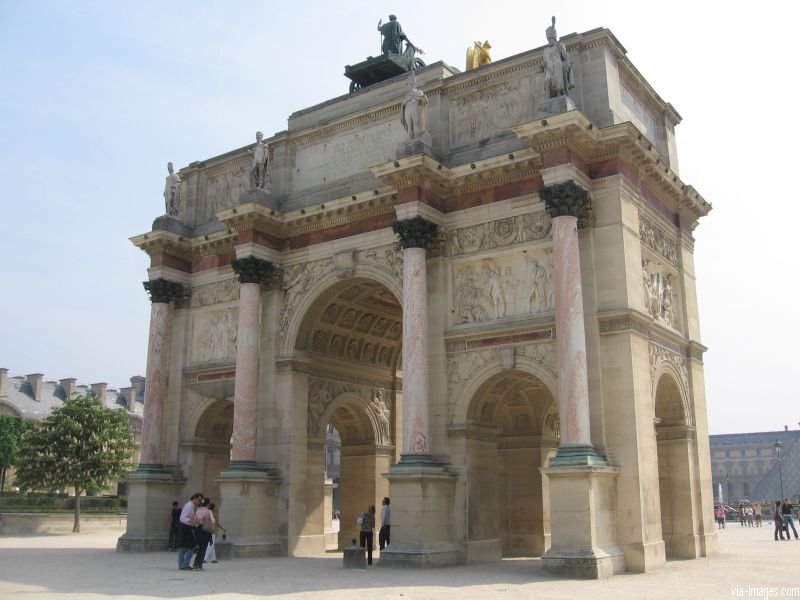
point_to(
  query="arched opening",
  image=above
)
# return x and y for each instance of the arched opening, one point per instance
(211, 447)
(352, 335)
(512, 430)
(676, 480)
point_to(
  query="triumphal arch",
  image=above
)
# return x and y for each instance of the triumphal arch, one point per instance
(483, 280)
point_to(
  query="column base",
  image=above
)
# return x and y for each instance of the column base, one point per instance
(583, 518)
(249, 509)
(151, 491)
(578, 455)
(583, 564)
(422, 489)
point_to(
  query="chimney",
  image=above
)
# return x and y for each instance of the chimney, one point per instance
(99, 390)
(35, 381)
(3, 381)
(129, 393)
(137, 383)
(68, 385)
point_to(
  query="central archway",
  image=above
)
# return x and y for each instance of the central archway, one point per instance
(512, 430)
(352, 336)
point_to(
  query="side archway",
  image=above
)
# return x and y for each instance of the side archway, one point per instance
(675, 446)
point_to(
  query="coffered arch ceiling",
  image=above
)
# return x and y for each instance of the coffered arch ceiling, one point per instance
(515, 403)
(357, 320)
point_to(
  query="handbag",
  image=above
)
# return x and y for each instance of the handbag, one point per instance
(207, 525)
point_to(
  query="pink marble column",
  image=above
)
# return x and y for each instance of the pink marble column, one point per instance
(573, 389)
(252, 273)
(568, 203)
(155, 390)
(415, 235)
(162, 293)
(415, 352)
(243, 443)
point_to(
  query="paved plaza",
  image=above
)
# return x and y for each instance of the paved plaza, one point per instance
(86, 566)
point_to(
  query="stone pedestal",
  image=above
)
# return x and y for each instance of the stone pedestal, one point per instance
(150, 494)
(554, 106)
(420, 145)
(583, 522)
(249, 511)
(331, 536)
(261, 196)
(422, 493)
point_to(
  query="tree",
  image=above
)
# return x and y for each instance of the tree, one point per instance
(11, 430)
(82, 444)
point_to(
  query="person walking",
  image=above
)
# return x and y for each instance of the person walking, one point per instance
(720, 514)
(366, 525)
(204, 527)
(384, 535)
(757, 513)
(788, 520)
(186, 533)
(741, 514)
(211, 552)
(748, 513)
(777, 516)
(174, 526)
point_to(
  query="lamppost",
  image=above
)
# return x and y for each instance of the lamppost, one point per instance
(780, 469)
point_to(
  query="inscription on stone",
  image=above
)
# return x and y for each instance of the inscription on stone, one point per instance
(346, 155)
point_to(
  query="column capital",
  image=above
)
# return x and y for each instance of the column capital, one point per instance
(253, 270)
(566, 199)
(416, 232)
(164, 290)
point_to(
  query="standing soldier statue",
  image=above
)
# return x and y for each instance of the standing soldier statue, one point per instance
(172, 191)
(557, 67)
(259, 167)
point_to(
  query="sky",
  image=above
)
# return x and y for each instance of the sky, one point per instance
(96, 97)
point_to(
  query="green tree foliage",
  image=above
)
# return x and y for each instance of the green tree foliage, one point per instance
(82, 444)
(11, 430)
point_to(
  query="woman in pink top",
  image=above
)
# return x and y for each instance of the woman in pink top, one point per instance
(719, 513)
(204, 526)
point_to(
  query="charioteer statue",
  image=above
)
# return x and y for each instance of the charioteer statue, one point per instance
(394, 59)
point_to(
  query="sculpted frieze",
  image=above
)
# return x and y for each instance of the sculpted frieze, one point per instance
(214, 293)
(659, 293)
(499, 234)
(502, 286)
(657, 240)
(225, 185)
(482, 113)
(296, 280)
(322, 392)
(214, 337)
(388, 258)
(659, 354)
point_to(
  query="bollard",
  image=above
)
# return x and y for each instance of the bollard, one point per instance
(355, 557)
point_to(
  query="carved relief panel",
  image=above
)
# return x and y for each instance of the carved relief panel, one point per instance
(479, 114)
(214, 336)
(224, 184)
(499, 287)
(661, 295)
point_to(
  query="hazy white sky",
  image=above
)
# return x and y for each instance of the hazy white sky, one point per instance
(96, 97)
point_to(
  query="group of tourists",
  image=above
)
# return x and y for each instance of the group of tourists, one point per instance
(193, 532)
(366, 526)
(750, 515)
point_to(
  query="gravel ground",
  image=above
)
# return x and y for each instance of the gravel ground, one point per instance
(86, 566)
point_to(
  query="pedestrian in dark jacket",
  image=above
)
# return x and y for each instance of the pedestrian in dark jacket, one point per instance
(366, 525)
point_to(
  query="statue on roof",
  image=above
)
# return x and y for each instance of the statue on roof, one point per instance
(259, 167)
(393, 36)
(172, 191)
(478, 55)
(414, 111)
(557, 66)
